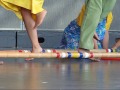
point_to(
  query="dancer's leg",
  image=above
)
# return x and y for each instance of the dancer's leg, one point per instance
(32, 32)
(116, 45)
(39, 18)
(106, 40)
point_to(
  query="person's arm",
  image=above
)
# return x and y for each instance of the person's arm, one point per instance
(116, 45)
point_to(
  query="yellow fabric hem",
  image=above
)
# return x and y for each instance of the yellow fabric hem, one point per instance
(14, 5)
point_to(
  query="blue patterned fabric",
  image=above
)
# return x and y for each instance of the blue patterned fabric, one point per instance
(71, 35)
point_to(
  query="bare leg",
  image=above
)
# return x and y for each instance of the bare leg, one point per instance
(116, 45)
(106, 40)
(32, 32)
(95, 44)
(39, 18)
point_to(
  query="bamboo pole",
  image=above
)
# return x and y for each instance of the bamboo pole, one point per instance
(15, 51)
(57, 55)
(27, 55)
(65, 50)
(76, 51)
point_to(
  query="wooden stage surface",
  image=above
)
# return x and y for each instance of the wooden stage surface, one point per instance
(59, 74)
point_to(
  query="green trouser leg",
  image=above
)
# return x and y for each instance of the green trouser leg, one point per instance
(96, 10)
(107, 7)
(90, 22)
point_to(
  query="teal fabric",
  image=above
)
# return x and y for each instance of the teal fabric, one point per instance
(71, 35)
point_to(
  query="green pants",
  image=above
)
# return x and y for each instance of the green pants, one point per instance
(96, 10)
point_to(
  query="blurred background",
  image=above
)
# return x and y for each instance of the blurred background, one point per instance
(60, 13)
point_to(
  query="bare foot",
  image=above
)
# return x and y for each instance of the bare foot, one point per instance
(82, 50)
(35, 50)
(39, 18)
(95, 59)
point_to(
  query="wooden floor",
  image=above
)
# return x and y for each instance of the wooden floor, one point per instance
(59, 74)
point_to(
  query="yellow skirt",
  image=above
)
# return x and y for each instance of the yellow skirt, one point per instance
(14, 5)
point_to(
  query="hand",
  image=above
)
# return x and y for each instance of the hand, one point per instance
(96, 36)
